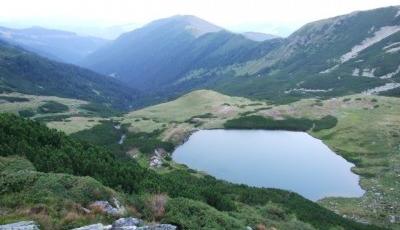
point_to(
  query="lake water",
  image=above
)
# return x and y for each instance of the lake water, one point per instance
(287, 160)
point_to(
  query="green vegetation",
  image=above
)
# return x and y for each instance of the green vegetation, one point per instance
(326, 122)
(46, 119)
(99, 110)
(54, 200)
(52, 151)
(259, 122)
(52, 107)
(106, 134)
(189, 214)
(13, 99)
(289, 123)
(391, 93)
(26, 113)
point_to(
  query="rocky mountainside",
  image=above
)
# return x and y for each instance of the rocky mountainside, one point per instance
(25, 72)
(55, 44)
(346, 54)
(336, 56)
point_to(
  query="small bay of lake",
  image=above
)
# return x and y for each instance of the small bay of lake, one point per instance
(287, 160)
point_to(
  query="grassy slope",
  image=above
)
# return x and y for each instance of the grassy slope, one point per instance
(73, 120)
(366, 133)
(54, 200)
(174, 115)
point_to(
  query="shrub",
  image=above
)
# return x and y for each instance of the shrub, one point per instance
(259, 122)
(189, 214)
(52, 107)
(326, 122)
(99, 109)
(26, 113)
(156, 204)
(293, 124)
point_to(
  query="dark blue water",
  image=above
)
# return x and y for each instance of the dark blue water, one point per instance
(287, 160)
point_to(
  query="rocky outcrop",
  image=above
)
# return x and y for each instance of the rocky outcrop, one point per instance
(23, 225)
(156, 160)
(107, 207)
(128, 223)
(94, 227)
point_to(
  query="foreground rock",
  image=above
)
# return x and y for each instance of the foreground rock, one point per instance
(158, 227)
(94, 227)
(128, 223)
(23, 225)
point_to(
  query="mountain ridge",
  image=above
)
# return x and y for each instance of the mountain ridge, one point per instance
(55, 44)
(25, 72)
(170, 61)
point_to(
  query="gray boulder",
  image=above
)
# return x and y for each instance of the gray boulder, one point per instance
(22, 225)
(128, 223)
(94, 227)
(158, 227)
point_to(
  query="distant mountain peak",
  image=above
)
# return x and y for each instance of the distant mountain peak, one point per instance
(259, 37)
(193, 24)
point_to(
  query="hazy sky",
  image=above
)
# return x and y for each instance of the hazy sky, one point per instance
(271, 16)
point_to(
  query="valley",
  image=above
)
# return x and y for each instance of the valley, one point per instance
(184, 124)
(371, 146)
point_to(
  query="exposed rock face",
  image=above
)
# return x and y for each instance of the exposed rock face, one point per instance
(23, 225)
(106, 207)
(156, 159)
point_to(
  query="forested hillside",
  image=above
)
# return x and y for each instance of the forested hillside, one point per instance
(25, 72)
